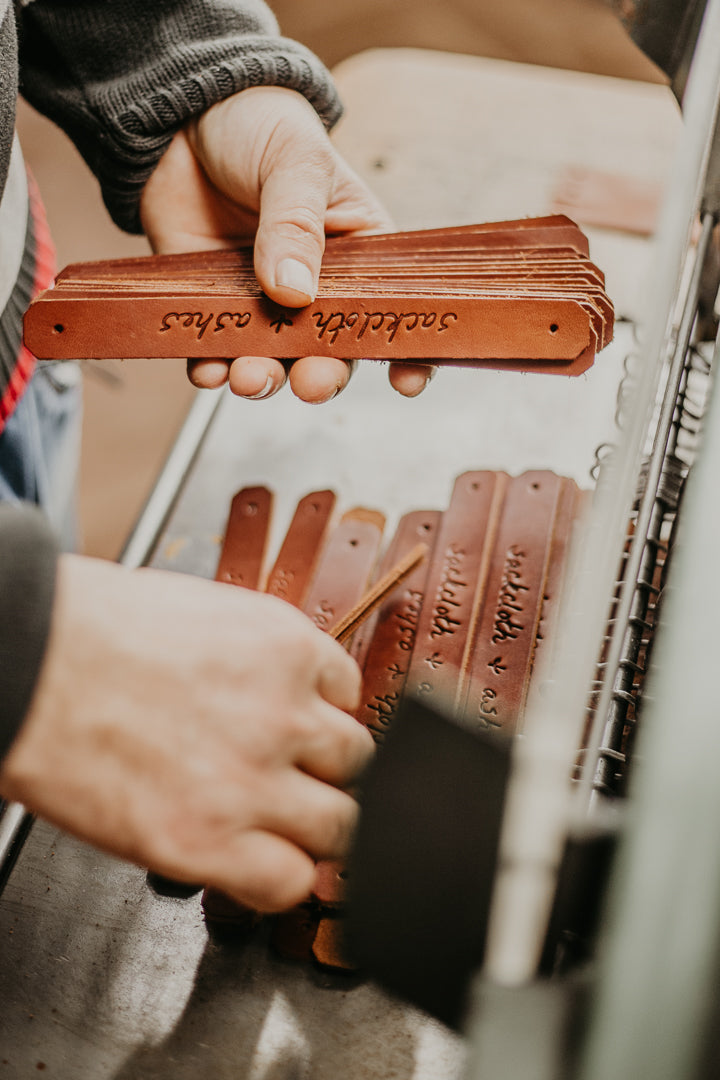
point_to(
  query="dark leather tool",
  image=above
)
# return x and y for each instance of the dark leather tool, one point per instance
(423, 865)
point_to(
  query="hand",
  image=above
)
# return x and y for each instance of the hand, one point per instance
(259, 166)
(193, 728)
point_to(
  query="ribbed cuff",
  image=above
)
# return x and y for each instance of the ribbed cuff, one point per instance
(141, 119)
(28, 560)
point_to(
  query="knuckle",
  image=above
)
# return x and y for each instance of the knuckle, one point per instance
(288, 884)
(303, 227)
(339, 829)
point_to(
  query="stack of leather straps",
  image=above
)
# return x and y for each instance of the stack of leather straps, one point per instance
(460, 631)
(511, 295)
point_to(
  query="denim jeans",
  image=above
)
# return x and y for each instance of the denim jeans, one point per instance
(40, 447)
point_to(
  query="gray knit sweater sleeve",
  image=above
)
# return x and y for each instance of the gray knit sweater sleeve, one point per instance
(122, 76)
(28, 557)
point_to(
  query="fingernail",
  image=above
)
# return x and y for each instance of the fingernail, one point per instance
(265, 392)
(292, 274)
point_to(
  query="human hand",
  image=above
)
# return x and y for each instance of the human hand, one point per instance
(259, 166)
(194, 729)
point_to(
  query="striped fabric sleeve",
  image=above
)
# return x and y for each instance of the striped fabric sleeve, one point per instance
(122, 76)
(36, 272)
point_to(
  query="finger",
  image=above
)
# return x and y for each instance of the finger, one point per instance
(317, 817)
(339, 680)
(317, 379)
(296, 187)
(264, 871)
(410, 379)
(337, 749)
(207, 374)
(256, 377)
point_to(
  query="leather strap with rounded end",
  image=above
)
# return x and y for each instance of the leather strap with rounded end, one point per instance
(292, 573)
(428, 327)
(344, 569)
(504, 638)
(243, 550)
(457, 572)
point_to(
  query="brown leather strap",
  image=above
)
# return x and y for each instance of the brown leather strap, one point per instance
(386, 663)
(329, 947)
(379, 327)
(504, 638)
(388, 655)
(457, 572)
(343, 570)
(243, 550)
(292, 573)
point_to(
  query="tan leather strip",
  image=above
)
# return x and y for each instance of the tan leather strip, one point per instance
(290, 577)
(243, 550)
(458, 568)
(415, 527)
(529, 232)
(504, 639)
(379, 328)
(343, 571)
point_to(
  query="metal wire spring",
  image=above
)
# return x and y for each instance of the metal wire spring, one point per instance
(626, 699)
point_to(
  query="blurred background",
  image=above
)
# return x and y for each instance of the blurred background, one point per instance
(134, 408)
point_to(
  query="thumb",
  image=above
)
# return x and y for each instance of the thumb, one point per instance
(295, 190)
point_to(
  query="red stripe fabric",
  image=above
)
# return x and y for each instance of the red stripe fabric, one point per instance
(44, 273)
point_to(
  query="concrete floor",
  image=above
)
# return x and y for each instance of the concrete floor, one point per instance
(133, 409)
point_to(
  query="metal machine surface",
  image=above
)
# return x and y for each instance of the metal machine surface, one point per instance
(111, 975)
